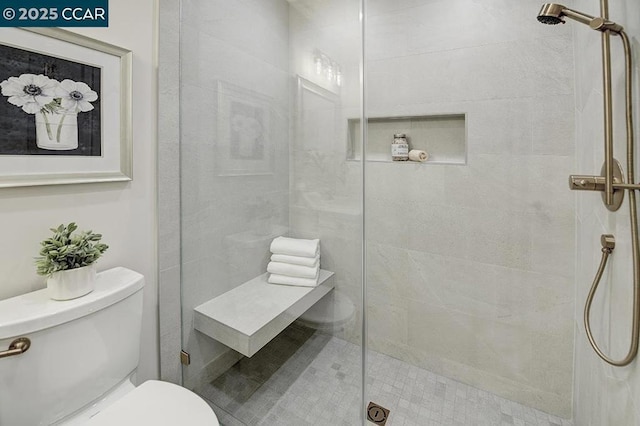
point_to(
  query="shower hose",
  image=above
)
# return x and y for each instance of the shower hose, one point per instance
(608, 248)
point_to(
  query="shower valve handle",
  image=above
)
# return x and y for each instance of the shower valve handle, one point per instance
(586, 183)
(599, 183)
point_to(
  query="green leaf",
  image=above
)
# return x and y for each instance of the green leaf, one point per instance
(65, 250)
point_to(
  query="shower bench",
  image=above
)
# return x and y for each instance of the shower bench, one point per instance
(249, 316)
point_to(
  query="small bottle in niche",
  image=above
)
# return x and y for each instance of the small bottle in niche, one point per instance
(400, 147)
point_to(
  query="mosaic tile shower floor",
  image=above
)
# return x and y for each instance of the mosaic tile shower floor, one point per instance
(304, 378)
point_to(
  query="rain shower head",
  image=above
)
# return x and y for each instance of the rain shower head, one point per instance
(552, 14)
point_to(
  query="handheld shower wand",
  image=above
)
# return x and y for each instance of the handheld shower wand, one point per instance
(552, 14)
(612, 182)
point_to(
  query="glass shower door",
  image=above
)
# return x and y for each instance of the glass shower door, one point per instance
(267, 89)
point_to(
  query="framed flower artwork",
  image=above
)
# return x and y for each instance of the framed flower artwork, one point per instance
(65, 109)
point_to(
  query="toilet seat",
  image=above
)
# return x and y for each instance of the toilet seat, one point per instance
(159, 404)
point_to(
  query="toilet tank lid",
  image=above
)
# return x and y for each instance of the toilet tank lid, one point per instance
(35, 311)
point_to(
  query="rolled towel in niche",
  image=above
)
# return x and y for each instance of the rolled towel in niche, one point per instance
(418, 155)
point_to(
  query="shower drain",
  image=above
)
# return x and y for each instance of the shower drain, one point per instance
(377, 414)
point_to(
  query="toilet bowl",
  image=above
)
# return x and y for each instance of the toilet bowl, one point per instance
(155, 403)
(80, 366)
(152, 403)
(334, 312)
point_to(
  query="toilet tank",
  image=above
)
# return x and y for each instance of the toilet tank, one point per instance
(80, 349)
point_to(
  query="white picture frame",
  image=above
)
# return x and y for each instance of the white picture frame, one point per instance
(114, 162)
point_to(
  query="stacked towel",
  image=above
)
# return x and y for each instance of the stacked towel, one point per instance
(299, 271)
(294, 262)
(295, 247)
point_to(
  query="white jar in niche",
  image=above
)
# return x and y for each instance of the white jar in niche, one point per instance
(400, 147)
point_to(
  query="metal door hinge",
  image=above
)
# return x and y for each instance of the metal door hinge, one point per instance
(185, 358)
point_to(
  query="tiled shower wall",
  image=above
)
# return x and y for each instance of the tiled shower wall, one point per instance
(471, 267)
(604, 395)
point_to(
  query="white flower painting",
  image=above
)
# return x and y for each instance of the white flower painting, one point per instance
(65, 109)
(56, 106)
(76, 96)
(30, 92)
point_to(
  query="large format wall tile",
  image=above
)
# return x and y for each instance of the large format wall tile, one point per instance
(489, 245)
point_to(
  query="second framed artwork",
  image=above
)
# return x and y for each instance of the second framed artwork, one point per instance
(244, 145)
(65, 109)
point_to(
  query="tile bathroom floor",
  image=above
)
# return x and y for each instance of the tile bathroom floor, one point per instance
(305, 378)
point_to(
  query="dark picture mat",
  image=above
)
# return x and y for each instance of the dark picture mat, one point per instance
(17, 128)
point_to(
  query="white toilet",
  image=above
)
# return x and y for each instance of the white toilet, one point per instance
(82, 359)
(334, 312)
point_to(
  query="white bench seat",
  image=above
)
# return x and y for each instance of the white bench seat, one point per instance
(249, 316)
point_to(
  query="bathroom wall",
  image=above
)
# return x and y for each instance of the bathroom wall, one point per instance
(122, 212)
(234, 155)
(603, 395)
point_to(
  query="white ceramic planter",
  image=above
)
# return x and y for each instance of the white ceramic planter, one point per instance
(72, 283)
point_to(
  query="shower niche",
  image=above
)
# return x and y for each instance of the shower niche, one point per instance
(444, 137)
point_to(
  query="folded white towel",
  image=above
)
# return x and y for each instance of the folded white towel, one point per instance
(283, 279)
(290, 270)
(418, 155)
(296, 260)
(295, 247)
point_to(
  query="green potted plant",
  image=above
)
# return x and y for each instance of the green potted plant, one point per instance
(68, 261)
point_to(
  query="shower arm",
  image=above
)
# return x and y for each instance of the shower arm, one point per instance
(578, 16)
(596, 23)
